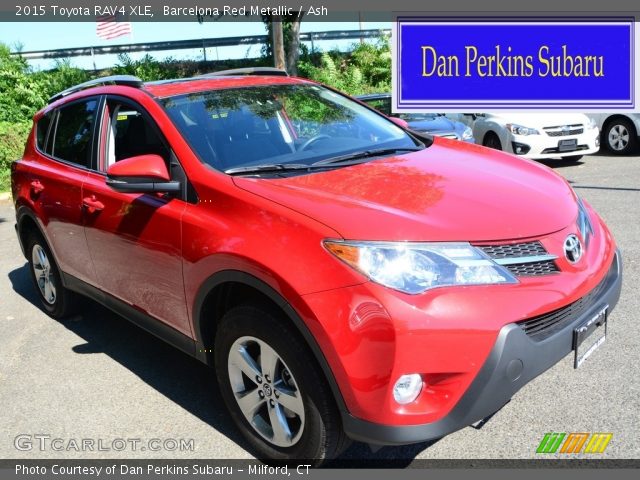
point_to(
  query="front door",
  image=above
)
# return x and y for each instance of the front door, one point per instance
(135, 239)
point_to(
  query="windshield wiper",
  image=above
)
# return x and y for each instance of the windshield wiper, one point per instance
(267, 168)
(364, 154)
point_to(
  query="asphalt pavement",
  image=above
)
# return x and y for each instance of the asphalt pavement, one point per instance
(98, 378)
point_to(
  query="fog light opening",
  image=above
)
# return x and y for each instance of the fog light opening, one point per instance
(407, 388)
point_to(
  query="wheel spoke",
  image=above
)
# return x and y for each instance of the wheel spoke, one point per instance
(268, 360)
(249, 402)
(241, 359)
(279, 425)
(290, 400)
(47, 290)
(52, 289)
(43, 259)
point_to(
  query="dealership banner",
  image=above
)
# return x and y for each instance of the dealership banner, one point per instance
(459, 64)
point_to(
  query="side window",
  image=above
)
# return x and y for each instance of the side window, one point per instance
(128, 133)
(73, 132)
(42, 128)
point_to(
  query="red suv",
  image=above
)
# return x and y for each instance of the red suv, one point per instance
(346, 278)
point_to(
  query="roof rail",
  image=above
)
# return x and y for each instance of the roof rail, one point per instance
(128, 80)
(248, 71)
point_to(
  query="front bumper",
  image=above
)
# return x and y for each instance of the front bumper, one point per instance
(544, 146)
(515, 359)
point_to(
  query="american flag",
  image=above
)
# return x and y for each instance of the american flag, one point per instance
(112, 26)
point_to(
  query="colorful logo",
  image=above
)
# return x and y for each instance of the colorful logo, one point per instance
(574, 443)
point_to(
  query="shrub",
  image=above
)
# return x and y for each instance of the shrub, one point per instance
(13, 137)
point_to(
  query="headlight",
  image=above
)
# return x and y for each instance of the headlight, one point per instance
(416, 267)
(467, 134)
(520, 130)
(584, 223)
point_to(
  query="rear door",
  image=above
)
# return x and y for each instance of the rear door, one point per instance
(65, 149)
(135, 239)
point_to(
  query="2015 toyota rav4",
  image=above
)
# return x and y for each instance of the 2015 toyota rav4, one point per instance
(346, 278)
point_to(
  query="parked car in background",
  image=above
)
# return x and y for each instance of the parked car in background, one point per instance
(430, 123)
(619, 131)
(535, 135)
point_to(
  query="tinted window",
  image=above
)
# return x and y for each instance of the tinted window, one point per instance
(73, 132)
(276, 124)
(42, 127)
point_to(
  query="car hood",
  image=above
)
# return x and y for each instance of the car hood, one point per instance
(451, 191)
(436, 125)
(541, 120)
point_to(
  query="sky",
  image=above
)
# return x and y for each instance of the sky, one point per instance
(53, 35)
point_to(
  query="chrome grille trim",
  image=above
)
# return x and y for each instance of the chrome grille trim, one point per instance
(527, 259)
(564, 130)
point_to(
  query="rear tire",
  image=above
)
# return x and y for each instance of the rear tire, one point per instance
(55, 299)
(491, 140)
(289, 412)
(620, 136)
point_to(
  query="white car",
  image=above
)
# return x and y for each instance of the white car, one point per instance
(535, 135)
(619, 131)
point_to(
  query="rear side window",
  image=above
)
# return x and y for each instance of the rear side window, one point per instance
(74, 131)
(42, 128)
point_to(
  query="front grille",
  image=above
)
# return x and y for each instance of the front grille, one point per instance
(528, 259)
(527, 249)
(564, 130)
(543, 326)
(533, 269)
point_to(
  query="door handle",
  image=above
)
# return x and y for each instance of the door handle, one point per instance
(92, 204)
(36, 187)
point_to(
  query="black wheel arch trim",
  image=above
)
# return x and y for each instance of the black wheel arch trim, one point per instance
(204, 349)
(22, 212)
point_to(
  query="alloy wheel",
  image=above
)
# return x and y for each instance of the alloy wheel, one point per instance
(266, 391)
(44, 274)
(619, 137)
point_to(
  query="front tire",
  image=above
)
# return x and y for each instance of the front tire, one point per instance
(491, 140)
(273, 388)
(55, 299)
(620, 136)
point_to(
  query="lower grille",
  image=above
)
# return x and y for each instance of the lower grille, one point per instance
(557, 150)
(543, 326)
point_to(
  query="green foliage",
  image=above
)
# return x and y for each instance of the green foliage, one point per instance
(367, 69)
(147, 68)
(23, 91)
(12, 140)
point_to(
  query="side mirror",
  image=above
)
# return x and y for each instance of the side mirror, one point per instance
(399, 122)
(141, 174)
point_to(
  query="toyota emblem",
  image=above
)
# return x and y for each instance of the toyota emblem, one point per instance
(572, 248)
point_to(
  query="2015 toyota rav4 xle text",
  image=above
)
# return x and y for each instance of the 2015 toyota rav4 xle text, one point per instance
(346, 278)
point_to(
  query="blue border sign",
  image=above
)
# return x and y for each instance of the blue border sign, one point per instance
(456, 65)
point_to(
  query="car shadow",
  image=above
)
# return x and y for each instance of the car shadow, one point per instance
(176, 375)
(560, 163)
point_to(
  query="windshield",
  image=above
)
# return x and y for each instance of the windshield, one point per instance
(280, 125)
